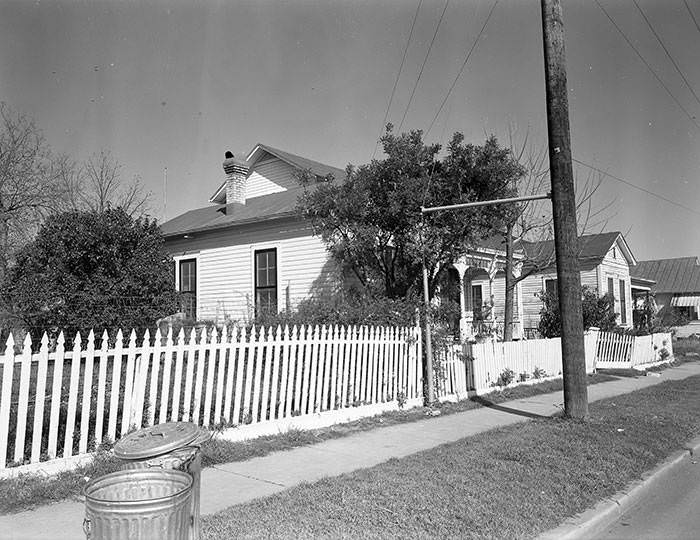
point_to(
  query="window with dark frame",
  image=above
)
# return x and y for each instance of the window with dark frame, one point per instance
(550, 287)
(265, 281)
(623, 303)
(188, 287)
(611, 287)
(477, 302)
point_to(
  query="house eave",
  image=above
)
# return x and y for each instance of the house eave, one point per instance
(209, 228)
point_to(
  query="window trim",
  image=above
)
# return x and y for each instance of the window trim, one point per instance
(623, 302)
(177, 259)
(264, 246)
(471, 299)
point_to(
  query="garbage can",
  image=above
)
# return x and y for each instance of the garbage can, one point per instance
(171, 445)
(139, 505)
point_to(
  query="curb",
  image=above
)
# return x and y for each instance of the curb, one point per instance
(607, 511)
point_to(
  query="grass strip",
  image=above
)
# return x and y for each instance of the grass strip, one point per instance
(512, 482)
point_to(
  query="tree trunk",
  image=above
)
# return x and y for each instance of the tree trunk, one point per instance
(510, 287)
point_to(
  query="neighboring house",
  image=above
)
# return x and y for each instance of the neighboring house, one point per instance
(249, 250)
(677, 283)
(605, 260)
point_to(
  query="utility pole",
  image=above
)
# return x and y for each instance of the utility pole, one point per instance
(564, 213)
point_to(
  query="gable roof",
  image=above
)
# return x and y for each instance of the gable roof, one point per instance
(256, 209)
(319, 169)
(592, 248)
(679, 275)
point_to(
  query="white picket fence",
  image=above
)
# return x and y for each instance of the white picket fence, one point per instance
(480, 367)
(616, 351)
(60, 403)
(477, 368)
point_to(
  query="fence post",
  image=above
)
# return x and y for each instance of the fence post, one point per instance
(6, 396)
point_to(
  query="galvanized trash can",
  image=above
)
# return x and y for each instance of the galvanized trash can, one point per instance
(171, 445)
(139, 505)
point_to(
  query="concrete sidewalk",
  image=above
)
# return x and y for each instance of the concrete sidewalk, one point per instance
(235, 483)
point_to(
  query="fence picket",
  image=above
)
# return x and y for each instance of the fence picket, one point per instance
(140, 378)
(274, 409)
(231, 348)
(210, 354)
(241, 348)
(294, 382)
(201, 360)
(177, 378)
(129, 383)
(87, 394)
(101, 388)
(56, 387)
(265, 407)
(343, 354)
(258, 353)
(8, 367)
(287, 377)
(164, 398)
(23, 405)
(222, 349)
(42, 368)
(353, 375)
(189, 372)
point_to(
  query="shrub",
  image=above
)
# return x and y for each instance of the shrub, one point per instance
(598, 311)
(506, 377)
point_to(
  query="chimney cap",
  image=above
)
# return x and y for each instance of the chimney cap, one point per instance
(231, 162)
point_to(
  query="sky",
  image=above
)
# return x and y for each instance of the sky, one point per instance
(177, 84)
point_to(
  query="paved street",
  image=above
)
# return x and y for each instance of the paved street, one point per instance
(670, 511)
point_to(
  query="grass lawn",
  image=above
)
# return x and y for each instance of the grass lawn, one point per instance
(513, 482)
(28, 491)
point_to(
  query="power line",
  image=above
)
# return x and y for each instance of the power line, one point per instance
(692, 119)
(691, 15)
(396, 82)
(630, 184)
(420, 73)
(663, 46)
(461, 70)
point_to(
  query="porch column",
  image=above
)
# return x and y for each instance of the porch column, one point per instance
(518, 329)
(464, 322)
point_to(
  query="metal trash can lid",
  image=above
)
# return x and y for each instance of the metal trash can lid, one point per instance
(155, 440)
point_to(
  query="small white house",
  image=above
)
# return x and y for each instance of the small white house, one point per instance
(605, 260)
(249, 249)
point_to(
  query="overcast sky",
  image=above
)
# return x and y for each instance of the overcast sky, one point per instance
(173, 84)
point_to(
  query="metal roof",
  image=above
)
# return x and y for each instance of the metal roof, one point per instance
(679, 275)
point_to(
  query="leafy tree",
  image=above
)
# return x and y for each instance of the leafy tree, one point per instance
(598, 311)
(90, 269)
(372, 223)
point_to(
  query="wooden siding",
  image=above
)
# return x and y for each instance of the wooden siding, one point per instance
(225, 266)
(617, 268)
(499, 295)
(270, 176)
(595, 277)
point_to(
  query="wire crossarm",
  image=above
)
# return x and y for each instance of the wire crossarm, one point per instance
(425, 210)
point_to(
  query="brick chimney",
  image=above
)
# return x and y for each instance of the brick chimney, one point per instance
(236, 173)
